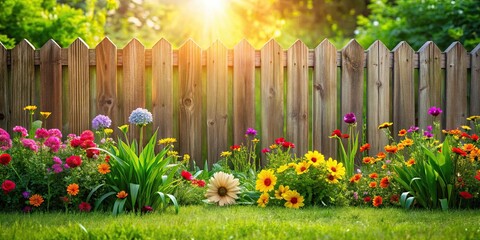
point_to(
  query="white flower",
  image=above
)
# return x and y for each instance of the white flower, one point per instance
(223, 189)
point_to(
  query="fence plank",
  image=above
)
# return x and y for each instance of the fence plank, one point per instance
(272, 75)
(133, 83)
(403, 88)
(325, 98)
(297, 97)
(217, 101)
(430, 83)
(456, 85)
(22, 83)
(475, 82)
(379, 99)
(4, 91)
(243, 90)
(51, 91)
(107, 102)
(162, 89)
(353, 64)
(190, 125)
(79, 87)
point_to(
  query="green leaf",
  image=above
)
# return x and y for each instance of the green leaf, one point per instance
(444, 203)
(103, 197)
(134, 188)
(93, 191)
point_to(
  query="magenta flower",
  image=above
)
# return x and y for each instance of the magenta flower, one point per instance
(84, 207)
(350, 118)
(434, 111)
(21, 130)
(41, 133)
(53, 143)
(30, 143)
(5, 141)
(266, 150)
(251, 132)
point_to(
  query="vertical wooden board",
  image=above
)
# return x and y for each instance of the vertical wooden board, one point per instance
(297, 97)
(378, 95)
(456, 85)
(353, 63)
(403, 88)
(22, 83)
(272, 75)
(107, 102)
(217, 99)
(475, 81)
(162, 88)
(133, 84)
(430, 83)
(243, 90)
(325, 98)
(4, 92)
(79, 87)
(190, 115)
(51, 84)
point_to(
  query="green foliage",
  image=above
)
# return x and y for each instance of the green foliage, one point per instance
(441, 21)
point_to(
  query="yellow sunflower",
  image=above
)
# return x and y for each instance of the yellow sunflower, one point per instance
(315, 157)
(266, 181)
(263, 200)
(302, 167)
(294, 199)
(336, 169)
(281, 190)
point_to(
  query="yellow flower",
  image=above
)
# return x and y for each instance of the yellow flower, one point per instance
(336, 169)
(294, 199)
(172, 153)
(167, 141)
(124, 128)
(186, 157)
(226, 154)
(73, 189)
(332, 178)
(473, 118)
(302, 167)
(282, 168)
(45, 114)
(266, 181)
(315, 158)
(466, 127)
(108, 131)
(255, 140)
(385, 125)
(30, 108)
(407, 142)
(104, 168)
(273, 146)
(281, 190)
(263, 200)
(122, 194)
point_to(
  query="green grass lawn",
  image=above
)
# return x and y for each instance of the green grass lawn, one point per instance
(247, 222)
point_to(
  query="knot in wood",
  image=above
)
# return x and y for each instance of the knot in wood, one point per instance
(187, 102)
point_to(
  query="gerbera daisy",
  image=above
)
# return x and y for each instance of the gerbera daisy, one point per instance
(391, 148)
(36, 200)
(368, 160)
(381, 155)
(294, 199)
(336, 169)
(407, 142)
(384, 183)
(223, 189)
(302, 167)
(263, 200)
(373, 184)
(365, 147)
(410, 162)
(402, 132)
(373, 175)
(315, 157)
(266, 181)
(73, 189)
(356, 178)
(377, 201)
(104, 168)
(281, 190)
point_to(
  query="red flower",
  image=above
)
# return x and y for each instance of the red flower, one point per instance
(84, 207)
(92, 152)
(345, 136)
(477, 177)
(367, 199)
(75, 142)
(377, 201)
(8, 186)
(459, 151)
(87, 135)
(265, 150)
(88, 144)
(384, 183)
(73, 161)
(235, 147)
(5, 159)
(279, 141)
(394, 198)
(187, 175)
(199, 183)
(337, 133)
(147, 209)
(107, 158)
(474, 137)
(365, 147)
(288, 145)
(466, 195)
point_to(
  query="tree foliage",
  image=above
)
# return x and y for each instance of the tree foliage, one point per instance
(441, 21)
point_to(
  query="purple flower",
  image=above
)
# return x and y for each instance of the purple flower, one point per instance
(350, 118)
(41, 133)
(412, 129)
(427, 134)
(57, 168)
(101, 122)
(140, 117)
(434, 111)
(21, 130)
(355, 195)
(53, 143)
(26, 194)
(429, 128)
(31, 144)
(57, 160)
(27, 209)
(251, 132)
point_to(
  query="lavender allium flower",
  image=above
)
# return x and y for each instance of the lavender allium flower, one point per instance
(434, 111)
(140, 117)
(100, 122)
(350, 118)
(21, 130)
(251, 132)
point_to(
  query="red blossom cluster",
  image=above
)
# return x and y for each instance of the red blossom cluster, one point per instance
(85, 141)
(189, 177)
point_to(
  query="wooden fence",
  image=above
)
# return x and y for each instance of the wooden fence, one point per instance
(208, 98)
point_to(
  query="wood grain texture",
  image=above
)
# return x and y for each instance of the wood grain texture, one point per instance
(475, 82)
(272, 83)
(162, 89)
(217, 101)
(78, 87)
(243, 90)
(430, 84)
(403, 88)
(297, 97)
(456, 86)
(51, 86)
(190, 113)
(4, 91)
(22, 83)
(379, 99)
(325, 99)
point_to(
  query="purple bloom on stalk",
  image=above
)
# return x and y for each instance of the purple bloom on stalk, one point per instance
(251, 132)
(434, 111)
(412, 129)
(350, 118)
(101, 122)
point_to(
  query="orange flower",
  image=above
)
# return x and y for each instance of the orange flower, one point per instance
(407, 142)
(468, 147)
(36, 200)
(73, 189)
(384, 183)
(381, 155)
(356, 178)
(377, 201)
(104, 168)
(400, 147)
(402, 132)
(368, 160)
(410, 162)
(365, 147)
(391, 148)
(373, 175)
(122, 194)
(373, 184)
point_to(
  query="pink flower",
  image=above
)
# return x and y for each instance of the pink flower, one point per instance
(265, 150)
(5, 141)
(41, 133)
(84, 207)
(53, 143)
(30, 143)
(8, 186)
(21, 130)
(54, 132)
